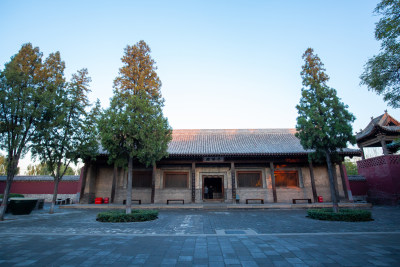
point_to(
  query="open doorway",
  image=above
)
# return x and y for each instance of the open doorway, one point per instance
(213, 188)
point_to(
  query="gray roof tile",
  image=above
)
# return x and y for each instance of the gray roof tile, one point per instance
(238, 142)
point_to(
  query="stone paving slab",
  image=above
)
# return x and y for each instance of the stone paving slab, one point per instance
(200, 238)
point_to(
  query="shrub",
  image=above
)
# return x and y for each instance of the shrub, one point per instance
(12, 195)
(347, 215)
(120, 216)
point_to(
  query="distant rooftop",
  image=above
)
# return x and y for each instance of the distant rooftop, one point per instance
(381, 124)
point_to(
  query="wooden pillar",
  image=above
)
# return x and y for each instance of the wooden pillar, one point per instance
(233, 175)
(84, 178)
(114, 180)
(271, 166)
(314, 190)
(345, 182)
(153, 182)
(92, 183)
(193, 174)
(383, 143)
(336, 185)
(362, 152)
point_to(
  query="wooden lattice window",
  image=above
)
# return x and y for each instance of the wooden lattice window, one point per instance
(286, 178)
(141, 179)
(249, 179)
(176, 179)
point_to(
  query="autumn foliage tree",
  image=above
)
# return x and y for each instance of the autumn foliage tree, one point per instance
(26, 84)
(324, 123)
(133, 127)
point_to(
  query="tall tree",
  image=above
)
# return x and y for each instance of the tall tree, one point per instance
(382, 72)
(25, 85)
(323, 124)
(65, 132)
(133, 127)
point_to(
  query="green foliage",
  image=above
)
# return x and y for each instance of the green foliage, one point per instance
(347, 215)
(323, 124)
(134, 216)
(12, 195)
(133, 127)
(394, 146)
(42, 169)
(351, 167)
(382, 72)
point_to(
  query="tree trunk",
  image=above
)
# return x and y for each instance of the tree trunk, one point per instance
(11, 169)
(55, 192)
(331, 182)
(314, 190)
(4, 203)
(129, 188)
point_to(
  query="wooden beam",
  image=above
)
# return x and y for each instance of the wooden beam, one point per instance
(193, 172)
(233, 181)
(314, 190)
(336, 185)
(153, 182)
(271, 166)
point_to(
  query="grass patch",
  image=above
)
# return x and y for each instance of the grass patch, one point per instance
(347, 215)
(121, 216)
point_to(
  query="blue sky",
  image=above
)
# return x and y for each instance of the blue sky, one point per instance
(223, 64)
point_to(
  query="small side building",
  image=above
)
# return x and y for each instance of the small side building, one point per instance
(382, 173)
(206, 166)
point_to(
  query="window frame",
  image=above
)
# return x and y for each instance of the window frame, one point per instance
(288, 171)
(244, 171)
(176, 172)
(141, 187)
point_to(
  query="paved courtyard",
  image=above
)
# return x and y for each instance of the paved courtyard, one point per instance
(200, 238)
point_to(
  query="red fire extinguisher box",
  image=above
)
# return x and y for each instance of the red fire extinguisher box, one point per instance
(320, 199)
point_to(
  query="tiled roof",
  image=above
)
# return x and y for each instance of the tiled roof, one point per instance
(380, 123)
(238, 142)
(41, 178)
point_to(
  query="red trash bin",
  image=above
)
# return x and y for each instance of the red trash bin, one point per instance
(106, 200)
(320, 199)
(98, 200)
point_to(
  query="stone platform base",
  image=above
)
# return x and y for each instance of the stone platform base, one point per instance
(219, 206)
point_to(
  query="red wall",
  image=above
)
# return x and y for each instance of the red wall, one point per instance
(383, 178)
(41, 187)
(359, 188)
